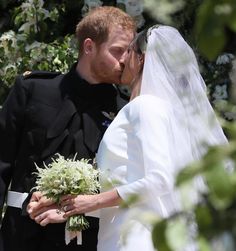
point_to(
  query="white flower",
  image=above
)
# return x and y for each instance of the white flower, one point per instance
(230, 115)
(164, 9)
(31, 20)
(233, 72)
(89, 5)
(224, 58)
(10, 35)
(9, 69)
(68, 176)
(75, 176)
(34, 45)
(8, 39)
(223, 9)
(133, 7)
(28, 4)
(57, 61)
(220, 92)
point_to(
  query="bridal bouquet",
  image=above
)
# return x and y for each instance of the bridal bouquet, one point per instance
(68, 176)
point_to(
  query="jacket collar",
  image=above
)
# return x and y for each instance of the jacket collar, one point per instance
(77, 89)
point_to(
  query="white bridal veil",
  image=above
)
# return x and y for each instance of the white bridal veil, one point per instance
(171, 73)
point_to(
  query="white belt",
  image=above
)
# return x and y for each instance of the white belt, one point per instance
(16, 199)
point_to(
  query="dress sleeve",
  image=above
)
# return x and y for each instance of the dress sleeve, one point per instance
(11, 120)
(152, 129)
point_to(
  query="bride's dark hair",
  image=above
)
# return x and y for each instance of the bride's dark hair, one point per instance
(141, 39)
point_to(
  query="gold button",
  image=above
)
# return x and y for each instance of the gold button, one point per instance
(26, 73)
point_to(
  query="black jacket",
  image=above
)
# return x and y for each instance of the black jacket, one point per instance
(44, 114)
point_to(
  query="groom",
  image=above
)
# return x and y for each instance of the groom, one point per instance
(48, 113)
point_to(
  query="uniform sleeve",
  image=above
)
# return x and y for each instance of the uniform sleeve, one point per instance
(152, 128)
(11, 121)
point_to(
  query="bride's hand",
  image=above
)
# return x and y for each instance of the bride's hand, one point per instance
(79, 204)
(48, 215)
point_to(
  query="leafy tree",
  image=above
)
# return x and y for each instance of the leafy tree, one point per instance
(36, 41)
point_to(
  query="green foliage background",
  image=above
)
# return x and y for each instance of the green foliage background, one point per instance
(39, 35)
(210, 223)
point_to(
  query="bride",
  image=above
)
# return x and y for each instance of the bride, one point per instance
(168, 123)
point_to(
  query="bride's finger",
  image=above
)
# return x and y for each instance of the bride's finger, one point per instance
(69, 206)
(70, 213)
(68, 201)
(66, 208)
(66, 197)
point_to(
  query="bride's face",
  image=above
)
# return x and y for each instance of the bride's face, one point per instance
(133, 63)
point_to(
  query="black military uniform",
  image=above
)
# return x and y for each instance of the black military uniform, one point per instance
(47, 113)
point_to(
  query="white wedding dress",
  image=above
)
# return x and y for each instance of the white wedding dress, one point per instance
(137, 155)
(158, 133)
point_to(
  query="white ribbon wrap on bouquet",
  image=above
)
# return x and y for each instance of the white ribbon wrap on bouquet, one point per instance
(70, 235)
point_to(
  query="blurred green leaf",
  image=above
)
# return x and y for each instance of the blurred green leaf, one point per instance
(231, 22)
(212, 19)
(203, 218)
(189, 172)
(177, 233)
(203, 244)
(221, 189)
(130, 201)
(159, 236)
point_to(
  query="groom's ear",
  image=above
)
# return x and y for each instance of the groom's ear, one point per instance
(88, 46)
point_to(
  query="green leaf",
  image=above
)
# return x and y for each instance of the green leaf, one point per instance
(189, 172)
(203, 244)
(203, 12)
(221, 189)
(203, 218)
(177, 233)
(159, 236)
(209, 29)
(77, 223)
(213, 36)
(232, 22)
